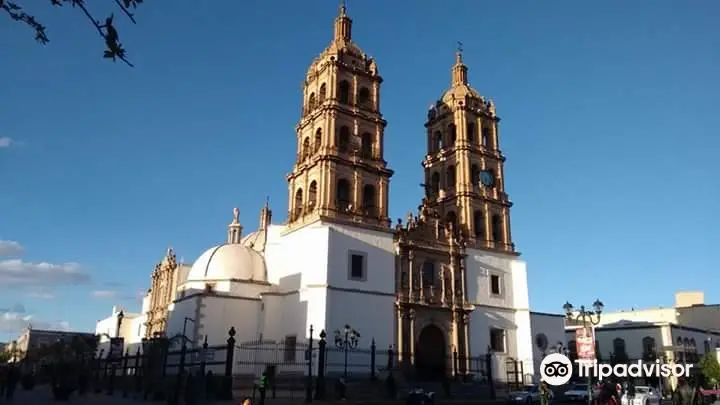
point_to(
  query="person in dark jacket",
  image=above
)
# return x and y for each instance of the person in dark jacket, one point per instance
(684, 394)
(12, 379)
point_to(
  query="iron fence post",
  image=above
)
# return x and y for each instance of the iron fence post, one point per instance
(125, 373)
(373, 375)
(320, 380)
(308, 388)
(489, 368)
(226, 393)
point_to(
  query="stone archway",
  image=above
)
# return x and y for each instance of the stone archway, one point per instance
(431, 354)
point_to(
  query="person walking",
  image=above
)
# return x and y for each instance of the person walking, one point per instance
(684, 394)
(544, 393)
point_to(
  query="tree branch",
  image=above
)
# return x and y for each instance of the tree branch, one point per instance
(113, 47)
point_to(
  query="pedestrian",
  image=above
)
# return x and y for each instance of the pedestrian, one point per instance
(544, 393)
(341, 388)
(684, 394)
(246, 401)
(263, 387)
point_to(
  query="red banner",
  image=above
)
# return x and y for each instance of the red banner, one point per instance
(585, 342)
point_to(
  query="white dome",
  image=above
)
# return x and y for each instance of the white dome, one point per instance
(228, 262)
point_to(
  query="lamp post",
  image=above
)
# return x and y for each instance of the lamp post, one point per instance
(588, 318)
(181, 366)
(120, 317)
(346, 339)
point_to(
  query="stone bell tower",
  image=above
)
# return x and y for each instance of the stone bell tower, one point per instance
(464, 173)
(340, 174)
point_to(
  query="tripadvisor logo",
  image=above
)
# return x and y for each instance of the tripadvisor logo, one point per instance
(557, 369)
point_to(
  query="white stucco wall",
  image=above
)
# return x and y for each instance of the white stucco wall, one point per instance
(552, 326)
(297, 258)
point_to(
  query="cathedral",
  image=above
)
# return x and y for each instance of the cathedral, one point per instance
(446, 279)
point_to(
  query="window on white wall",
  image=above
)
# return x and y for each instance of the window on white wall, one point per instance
(290, 348)
(497, 340)
(357, 266)
(495, 284)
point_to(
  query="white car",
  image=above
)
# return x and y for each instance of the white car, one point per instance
(578, 392)
(643, 396)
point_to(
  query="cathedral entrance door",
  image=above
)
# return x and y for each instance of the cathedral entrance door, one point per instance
(431, 354)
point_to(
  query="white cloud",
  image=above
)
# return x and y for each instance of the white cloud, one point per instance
(14, 322)
(10, 248)
(41, 295)
(18, 273)
(5, 142)
(103, 294)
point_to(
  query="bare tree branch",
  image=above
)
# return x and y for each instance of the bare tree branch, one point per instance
(113, 47)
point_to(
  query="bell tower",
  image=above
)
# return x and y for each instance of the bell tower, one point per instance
(340, 174)
(464, 174)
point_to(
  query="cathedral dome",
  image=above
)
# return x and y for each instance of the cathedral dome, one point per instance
(231, 261)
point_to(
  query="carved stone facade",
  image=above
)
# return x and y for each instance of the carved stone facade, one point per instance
(340, 174)
(162, 293)
(464, 173)
(431, 294)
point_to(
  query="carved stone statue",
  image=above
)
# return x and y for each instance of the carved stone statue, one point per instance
(410, 221)
(236, 215)
(399, 225)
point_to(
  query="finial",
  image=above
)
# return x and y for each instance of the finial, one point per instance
(267, 201)
(459, 52)
(236, 215)
(343, 7)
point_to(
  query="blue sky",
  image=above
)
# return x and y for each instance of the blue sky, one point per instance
(609, 125)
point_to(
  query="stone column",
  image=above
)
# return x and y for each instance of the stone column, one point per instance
(411, 317)
(411, 279)
(400, 335)
(466, 338)
(442, 286)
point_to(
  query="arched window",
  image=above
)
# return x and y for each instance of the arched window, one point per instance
(311, 102)
(451, 218)
(437, 141)
(492, 177)
(364, 98)
(344, 92)
(619, 350)
(298, 203)
(497, 228)
(475, 175)
(479, 224)
(470, 132)
(680, 350)
(707, 345)
(452, 134)
(312, 196)
(369, 205)
(486, 137)
(366, 145)
(428, 274)
(342, 195)
(649, 348)
(450, 177)
(435, 183)
(306, 148)
(322, 94)
(318, 139)
(344, 139)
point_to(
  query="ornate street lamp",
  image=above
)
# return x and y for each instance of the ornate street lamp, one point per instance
(588, 318)
(346, 339)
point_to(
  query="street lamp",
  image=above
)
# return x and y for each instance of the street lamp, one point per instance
(346, 339)
(588, 318)
(120, 317)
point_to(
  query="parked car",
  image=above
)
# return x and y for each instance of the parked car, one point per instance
(530, 394)
(643, 396)
(579, 392)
